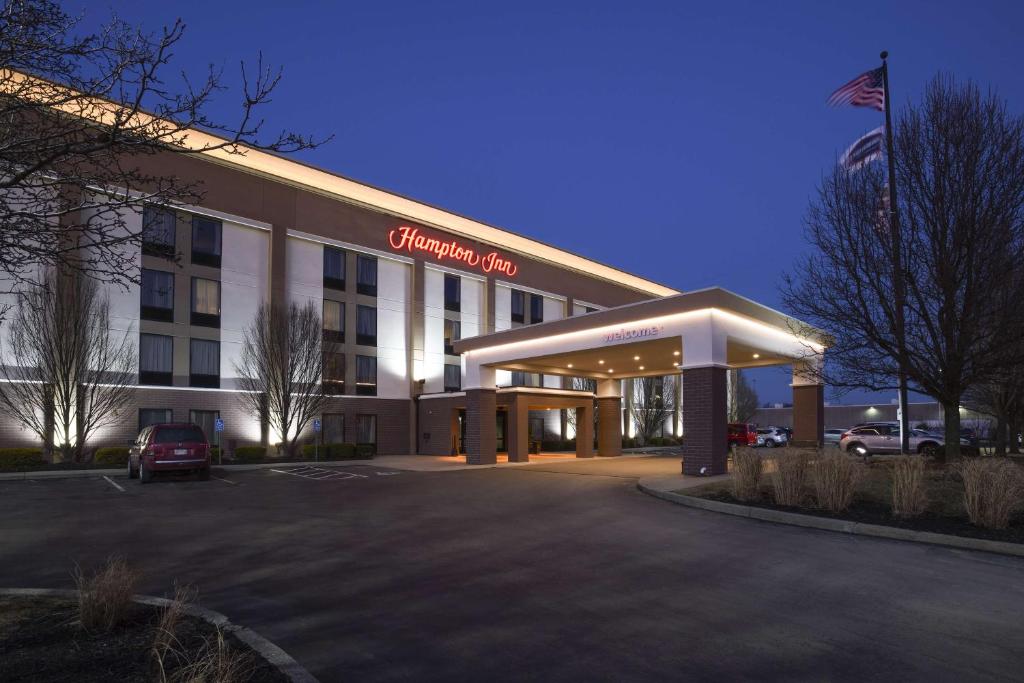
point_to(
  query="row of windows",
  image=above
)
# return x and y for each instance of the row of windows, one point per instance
(334, 374)
(157, 299)
(519, 307)
(334, 323)
(334, 271)
(332, 424)
(156, 361)
(159, 229)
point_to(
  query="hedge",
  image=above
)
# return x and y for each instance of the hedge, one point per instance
(365, 451)
(16, 459)
(551, 445)
(250, 454)
(331, 451)
(111, 455)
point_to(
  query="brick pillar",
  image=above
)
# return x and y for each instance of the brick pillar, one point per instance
(584, 431)
(705, 432)
(481, 428)
(609, 426)
(518, 430)
(808, 415)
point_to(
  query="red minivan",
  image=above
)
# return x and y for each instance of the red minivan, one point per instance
(742, 434)
(171, 446)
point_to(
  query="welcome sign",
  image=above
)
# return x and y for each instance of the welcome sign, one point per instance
(405, 238)
(628, 333)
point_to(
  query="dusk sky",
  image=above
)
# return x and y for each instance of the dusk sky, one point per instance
(679, 141)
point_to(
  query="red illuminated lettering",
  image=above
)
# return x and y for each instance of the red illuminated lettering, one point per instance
(405, 238)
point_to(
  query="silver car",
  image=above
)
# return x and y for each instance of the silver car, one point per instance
(882, 438)
(832, 436)
(771, 437)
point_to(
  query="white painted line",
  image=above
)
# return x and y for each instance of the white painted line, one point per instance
(113, 483)
(226, 481)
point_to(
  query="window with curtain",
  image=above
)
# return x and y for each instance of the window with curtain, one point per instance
(536, 308)
(206, 233)
(334, 321)
(156, 295)
(366, 375)
(153, 416)
(366, 429)
(518, 306)
(332, 428)
(452, 293)
(156, 359)
(205, 302)
(366, 325)
(334, 268)
(366, 275)
(334, 373)
(452, 377)
(452, 333)
(205, 419)
(158, 229)
(204, 363)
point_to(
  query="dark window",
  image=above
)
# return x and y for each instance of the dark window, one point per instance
(366, 429)
(366, 325)
(204, 363)
(452, 333)
(518, 306)
(536, 308)
(206, 419)
(452, 293)
(205, 241)
(366, 375)
(334, 373)
(366, 275)
(205, 302)
(152, 416)
(157, 295)
(178, 435)
(518, 378)
(865, 431)
(589, 309)
(158, 228)
(332, 428)
(334, 268)
(334, 321)
(156, 359)
(452, 377)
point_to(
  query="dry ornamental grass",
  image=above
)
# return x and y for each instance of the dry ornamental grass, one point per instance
(789, 477)
(105, 597)
(909, 496)
(746, 474)
(993, 491)
(835, 481)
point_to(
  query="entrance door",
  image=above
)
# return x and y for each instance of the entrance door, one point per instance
(499, 431)
(461, 446)
(536, 428)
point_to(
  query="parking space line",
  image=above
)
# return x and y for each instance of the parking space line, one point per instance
(226, 481)
(113, 483)
(319, 474)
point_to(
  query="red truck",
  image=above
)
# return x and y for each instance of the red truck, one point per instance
(167, 447)
(742, 434)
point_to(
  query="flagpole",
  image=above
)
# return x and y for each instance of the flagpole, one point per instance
(899, 286)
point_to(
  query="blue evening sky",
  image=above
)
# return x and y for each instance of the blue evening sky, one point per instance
(677, 140)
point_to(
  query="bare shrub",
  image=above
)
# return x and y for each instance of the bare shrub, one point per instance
(746, 473)
(213, 662)
(993, 491)
(105, 597)
(167, 627)
(909, 497)
(835, 480)
(790, 477)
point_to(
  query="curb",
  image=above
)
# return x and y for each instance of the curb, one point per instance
(273, 654)
(120, 471)
(840, 525)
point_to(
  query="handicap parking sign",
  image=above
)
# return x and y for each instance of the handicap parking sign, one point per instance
(316, 424)
(218, 425)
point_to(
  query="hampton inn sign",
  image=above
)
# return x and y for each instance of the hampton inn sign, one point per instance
(409, 239)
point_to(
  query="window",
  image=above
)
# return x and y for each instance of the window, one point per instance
(452, 293)
(157, 295)
(536, 308)
(366, 429)
(205, 241)
(366, 375)
(332, 428)
(518, 306)
(334, 268)
(334, 321)
(366, 325)
(205, 302)
(452, 333)
(158, 228)
(156, 359)
(334, 373)
(366, 275)
(589, 309)
(152, 416)
(525, 379)
(204, 363)
(865, 431)
(206, 420)
(452, 377)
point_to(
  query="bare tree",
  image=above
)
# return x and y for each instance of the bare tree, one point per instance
(742, 397)
(960, 172)
(654, 402)
(66, 373)
(280, 370)
(79, 114)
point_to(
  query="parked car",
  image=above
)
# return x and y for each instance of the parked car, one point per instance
(742, 434)
(880, 438)
(173, 446)
(832, 436)
(770, 437)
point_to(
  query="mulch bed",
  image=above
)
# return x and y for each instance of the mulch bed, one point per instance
(41, 640)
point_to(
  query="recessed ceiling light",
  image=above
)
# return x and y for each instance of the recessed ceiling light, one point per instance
(569, 365)
(601, 362)
(756, 356)
(610, 370)
(675, 353)
(636, 357)
(641, 367)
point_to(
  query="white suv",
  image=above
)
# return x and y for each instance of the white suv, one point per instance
(770, 437)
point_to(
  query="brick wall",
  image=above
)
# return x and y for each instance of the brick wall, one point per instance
(609, 426)
(480, 426)
(705, 421)
(437, 424)
(808, 415)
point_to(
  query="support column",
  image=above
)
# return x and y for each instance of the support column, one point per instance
(808, 405)
(518, 430)
(705, 427)
(609, 418)
(584, 431)
(481, 413)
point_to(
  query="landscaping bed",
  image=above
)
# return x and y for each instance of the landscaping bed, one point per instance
(41, 639)
(944, 512)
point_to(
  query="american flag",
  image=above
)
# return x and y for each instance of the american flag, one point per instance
(865, 150)
(865, 90)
